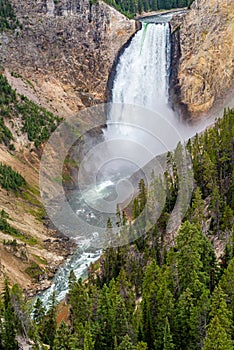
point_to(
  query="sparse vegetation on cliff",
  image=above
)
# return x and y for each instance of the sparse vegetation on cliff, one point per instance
(10, 179)
(8, 18)
(5, 227)
(5, 134)
(37, 122)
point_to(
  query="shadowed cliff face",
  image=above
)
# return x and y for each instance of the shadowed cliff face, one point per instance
(66, 50)
(202, 57)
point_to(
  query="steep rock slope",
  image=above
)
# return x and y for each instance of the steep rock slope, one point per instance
(203, 77)
(65, 49)
(59, 57)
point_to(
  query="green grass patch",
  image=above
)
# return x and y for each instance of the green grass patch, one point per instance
(6, 228)
(30, 197)
(39, 214)
(39, 259)
(34, 271)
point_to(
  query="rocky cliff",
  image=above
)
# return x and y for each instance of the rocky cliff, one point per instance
(59, 57)
(203, 57)
(65, 50)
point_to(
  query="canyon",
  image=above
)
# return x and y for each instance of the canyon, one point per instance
(61, 57)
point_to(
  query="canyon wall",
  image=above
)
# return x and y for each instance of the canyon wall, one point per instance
(202, 57)
(65, 49)
(59, 57)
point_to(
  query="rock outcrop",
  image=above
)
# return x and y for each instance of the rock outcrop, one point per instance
(64, 50)
(202, 57)
(59, 57)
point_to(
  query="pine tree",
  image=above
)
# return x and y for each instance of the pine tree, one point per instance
(118, 216)
(220, 309)
(88, 339)
(135, 209)
(80, 305)
(63, 338)
(227, 285)
(9, 330)
(142, 195)
(72, 279)
(198, 209)
(188, 254)
(126, 344)
(50, 322)
(167, 339)
(149, 303)
(220, 328)
(141, 346)
(217, 338)
(103, 331)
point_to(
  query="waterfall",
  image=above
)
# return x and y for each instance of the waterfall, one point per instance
(143, 69)
(141, 79)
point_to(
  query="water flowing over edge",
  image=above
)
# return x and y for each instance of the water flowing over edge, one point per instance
(142, 78)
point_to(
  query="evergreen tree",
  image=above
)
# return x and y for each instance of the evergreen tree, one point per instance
(88, 339)
(220, 328)
(167, 339)
(63, 338)
(50, 322)
(227, 285)
(217, 338)
(9, 329)
(141, 346)
(198, 209)
(126, 344)
(80, 304)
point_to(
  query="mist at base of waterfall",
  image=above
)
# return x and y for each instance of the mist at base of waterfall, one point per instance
(140, 126)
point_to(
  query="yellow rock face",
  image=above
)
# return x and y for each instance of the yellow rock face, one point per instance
(206, 68)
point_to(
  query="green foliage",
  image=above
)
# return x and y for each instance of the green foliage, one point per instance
(5, 227)
(38, 123)
(63, 338)
(220, 328)
(126, 344)
(34, 271)
(5, 134)
(132, 7)
(9, 329)
(50, 324)
(8, 19)
(167, 339)
(10, 179)
(212, 156)
(143, 296)
(217, 338)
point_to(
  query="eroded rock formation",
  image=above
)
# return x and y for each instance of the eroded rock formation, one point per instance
(65, 49)
(203, 57)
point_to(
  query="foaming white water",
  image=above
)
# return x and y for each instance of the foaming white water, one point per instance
(141, 76)
(142, 79)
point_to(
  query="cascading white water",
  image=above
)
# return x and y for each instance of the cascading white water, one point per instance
(143, 69)
(141, 79)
